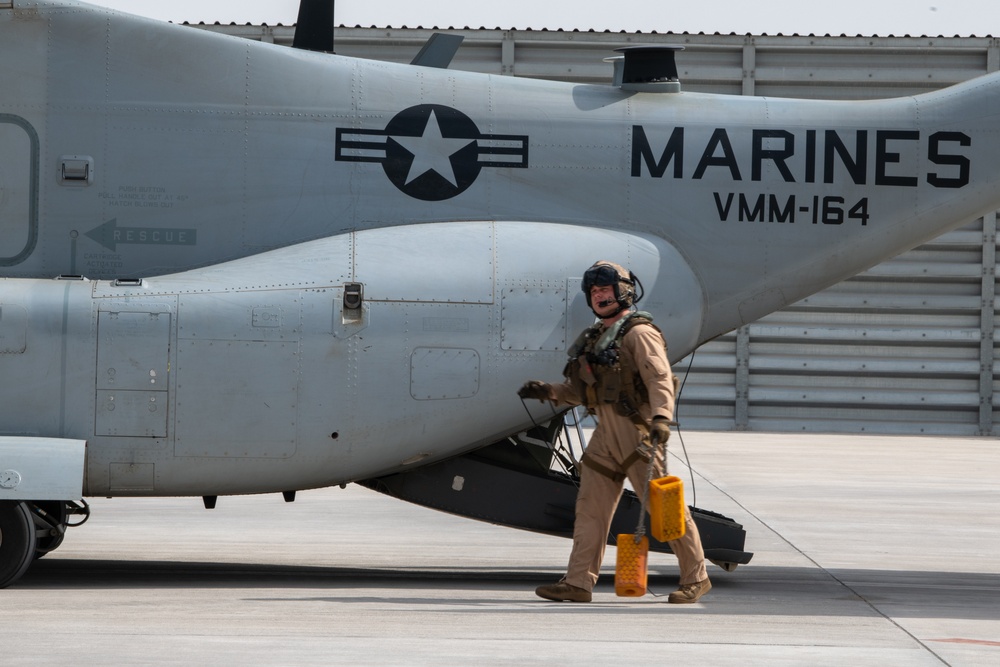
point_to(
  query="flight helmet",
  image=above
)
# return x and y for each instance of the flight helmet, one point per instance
(604, 273)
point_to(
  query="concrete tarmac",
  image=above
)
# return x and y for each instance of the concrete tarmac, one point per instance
(868, 551)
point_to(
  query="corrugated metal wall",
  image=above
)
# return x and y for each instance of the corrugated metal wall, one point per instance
(908, 347)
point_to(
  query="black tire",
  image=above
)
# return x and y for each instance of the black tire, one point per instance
(17, 541)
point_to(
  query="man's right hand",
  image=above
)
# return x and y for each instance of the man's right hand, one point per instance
(535, 389)
(659, 430)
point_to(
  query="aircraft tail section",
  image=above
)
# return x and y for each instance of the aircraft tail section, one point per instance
(826, 190)
(962, 124)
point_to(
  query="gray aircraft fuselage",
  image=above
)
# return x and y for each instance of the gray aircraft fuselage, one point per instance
(243, 187)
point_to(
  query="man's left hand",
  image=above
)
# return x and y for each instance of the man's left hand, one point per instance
(535, 389)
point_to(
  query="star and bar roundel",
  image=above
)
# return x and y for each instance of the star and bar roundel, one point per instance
(432, 152)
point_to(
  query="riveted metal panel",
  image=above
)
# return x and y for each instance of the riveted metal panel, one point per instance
(131, 413)
(455, 263)
(132, 477)
(274, 316)
(522, 307)
(133, 366)
(439, 373)
(132, 352)
(13, 329)
(252, 383)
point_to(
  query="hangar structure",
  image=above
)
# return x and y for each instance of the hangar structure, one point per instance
(908, 347)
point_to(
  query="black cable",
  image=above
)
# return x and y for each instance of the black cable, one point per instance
(532, 417)
(680, 436)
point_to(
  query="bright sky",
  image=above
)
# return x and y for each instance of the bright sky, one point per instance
(866, 17)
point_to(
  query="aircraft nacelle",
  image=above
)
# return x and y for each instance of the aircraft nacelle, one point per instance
(331, 361)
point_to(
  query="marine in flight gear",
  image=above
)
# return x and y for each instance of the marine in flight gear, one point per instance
(618, 369)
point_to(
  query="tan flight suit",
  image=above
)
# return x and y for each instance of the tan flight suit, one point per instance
(613, 442)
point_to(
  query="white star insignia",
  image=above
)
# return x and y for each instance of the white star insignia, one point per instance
(432, 152)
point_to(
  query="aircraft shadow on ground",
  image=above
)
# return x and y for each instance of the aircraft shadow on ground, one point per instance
(750, 590)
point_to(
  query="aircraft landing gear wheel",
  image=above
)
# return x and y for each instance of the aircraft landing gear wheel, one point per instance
(17, 541)
(52, 516)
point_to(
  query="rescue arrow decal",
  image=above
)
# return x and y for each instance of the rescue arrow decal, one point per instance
(110, 235)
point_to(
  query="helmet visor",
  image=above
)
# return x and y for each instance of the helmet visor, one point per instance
(601, 275)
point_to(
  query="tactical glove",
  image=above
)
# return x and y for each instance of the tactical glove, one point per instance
(534, 389)
(659, 431)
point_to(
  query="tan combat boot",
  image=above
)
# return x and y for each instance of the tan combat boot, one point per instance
(563, 592)
(688, 593)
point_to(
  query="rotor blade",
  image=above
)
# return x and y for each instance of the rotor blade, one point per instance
(314, 28)
(438, 51)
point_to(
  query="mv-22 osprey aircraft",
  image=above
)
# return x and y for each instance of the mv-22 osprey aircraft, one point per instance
(230, 267)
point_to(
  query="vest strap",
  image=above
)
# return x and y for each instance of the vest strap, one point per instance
(637, 455)
(601, 469)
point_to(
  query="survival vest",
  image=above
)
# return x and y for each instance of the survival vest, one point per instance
(602, 374)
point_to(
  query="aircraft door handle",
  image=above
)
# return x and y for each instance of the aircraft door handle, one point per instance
(354, 296)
